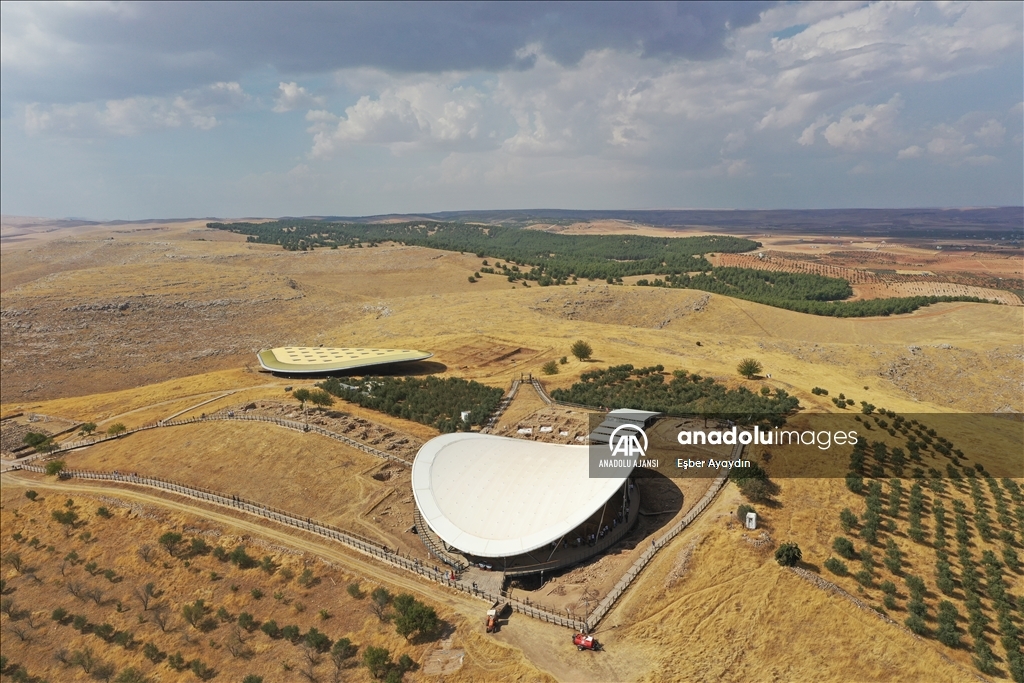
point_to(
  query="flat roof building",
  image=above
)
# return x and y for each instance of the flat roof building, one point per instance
(315, 359)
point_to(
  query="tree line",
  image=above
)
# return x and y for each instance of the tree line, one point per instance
(428, 400)
(679, 393)
(550, 256)
(800, 292)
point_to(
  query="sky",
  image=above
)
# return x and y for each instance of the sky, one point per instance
(166, 110)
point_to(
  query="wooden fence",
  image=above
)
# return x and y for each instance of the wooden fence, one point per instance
(376, 550)
(346, 538)
(657, 544)
(288, 424)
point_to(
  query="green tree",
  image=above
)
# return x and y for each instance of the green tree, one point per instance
(194, 612)
(581, 350)
(947, 632)
(321, 399)
(246, 621)
(317, 640)
(87, 429)
(303, 396)
(341, 652)
(116, 429)
(380, 599)
(550, 368)
(377, 660)
(788, 554)
(54, 467)
(170, 541)
(749, 367)
(68, 518)
(893, 557)
(252, 678)
(31, 495)
(414, 617)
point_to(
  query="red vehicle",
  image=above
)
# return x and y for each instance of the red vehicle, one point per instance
(584, 642)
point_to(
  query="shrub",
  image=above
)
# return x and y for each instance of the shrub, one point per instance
(788, 554)
(916, 624)
(31, 495)
(354, 590)
(837, 567)
(549, 368)
(306, 578)
(864, 578)
(844, 547)
(847, 519)
(177, 661)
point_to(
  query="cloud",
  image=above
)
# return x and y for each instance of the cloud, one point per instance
(912, 152)
(858, 127)
(135, 115)
(428, 113)
(991, 133)
(293, 96)
(81, 52)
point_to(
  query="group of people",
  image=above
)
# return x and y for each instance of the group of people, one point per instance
(594, 537)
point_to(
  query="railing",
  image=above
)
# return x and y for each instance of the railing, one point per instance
(641, 562)
(428, 540)
(547, 399)
(503, 406)
(346, 538)
(380, 552)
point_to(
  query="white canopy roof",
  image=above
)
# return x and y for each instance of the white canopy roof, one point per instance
(493, 496)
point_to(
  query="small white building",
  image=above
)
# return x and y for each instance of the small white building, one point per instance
(751, 521)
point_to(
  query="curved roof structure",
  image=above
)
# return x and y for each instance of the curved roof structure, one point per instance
(492, 496)
(311, 359)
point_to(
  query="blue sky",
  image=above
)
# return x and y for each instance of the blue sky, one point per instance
(119, 110)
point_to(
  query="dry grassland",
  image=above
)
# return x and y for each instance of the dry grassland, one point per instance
(711, 605)
(305, 474)
(730, 613)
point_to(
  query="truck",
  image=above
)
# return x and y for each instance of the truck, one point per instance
(585, 642)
